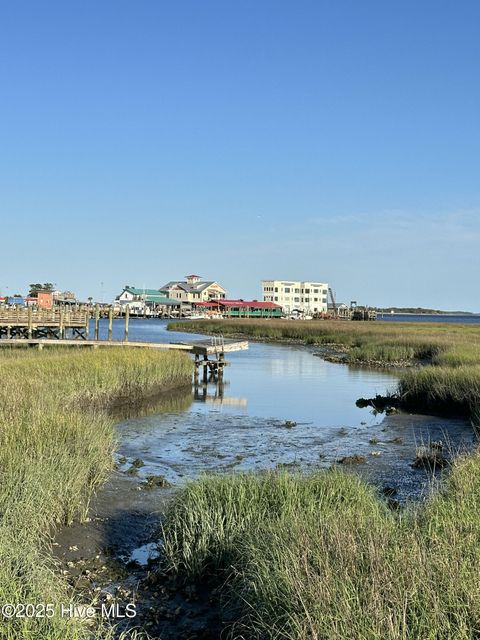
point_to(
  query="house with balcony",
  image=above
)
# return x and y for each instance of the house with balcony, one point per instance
(303, 298)
(193, 289)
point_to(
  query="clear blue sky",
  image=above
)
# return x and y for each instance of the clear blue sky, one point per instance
(332, 140)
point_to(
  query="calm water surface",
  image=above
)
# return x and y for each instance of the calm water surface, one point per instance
(241, 425)
(429, 317)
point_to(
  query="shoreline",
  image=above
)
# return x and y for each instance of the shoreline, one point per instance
(439, 362)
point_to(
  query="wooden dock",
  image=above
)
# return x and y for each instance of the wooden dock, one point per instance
(197, 347)
(56, 324)
(61, 327)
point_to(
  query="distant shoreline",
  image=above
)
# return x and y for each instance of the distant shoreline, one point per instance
(428, 313)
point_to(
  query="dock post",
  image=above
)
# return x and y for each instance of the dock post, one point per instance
(110, 323)
(220, 365)
(61, 324)
(97, 320)
(205, 371)
(127, 317)
(30, 323)
(87, 324)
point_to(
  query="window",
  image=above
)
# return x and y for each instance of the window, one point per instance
(324, 300)
(315, 291)
(287, 289)
(276, 290)
(276, 299)
(315, 299)
(307, 290)
(297, 299)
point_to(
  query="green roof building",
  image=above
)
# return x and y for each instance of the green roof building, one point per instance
(151, 297)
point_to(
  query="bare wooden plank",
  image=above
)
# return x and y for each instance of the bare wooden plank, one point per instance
(198, 349)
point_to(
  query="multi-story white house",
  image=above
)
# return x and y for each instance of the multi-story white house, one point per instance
(294, 296)
(194, 289)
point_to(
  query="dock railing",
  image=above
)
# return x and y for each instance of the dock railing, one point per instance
(218, 343)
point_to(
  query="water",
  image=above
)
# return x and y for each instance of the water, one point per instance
(429, 317)
(245, 423)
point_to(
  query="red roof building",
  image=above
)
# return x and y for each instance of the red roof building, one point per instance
(242, 308)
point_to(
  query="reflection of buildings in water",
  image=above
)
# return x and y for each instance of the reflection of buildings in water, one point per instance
(216, 386)
(306, 365)
(229, 401)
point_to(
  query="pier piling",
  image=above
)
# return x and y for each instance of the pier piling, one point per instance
(127, 316)
(110, 323)
(97, 320)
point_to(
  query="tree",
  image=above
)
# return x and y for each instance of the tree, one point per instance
(35, 288)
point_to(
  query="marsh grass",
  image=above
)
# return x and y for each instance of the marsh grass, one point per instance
(365, 341)
(321, 556)
(447, 390)
(56, 444)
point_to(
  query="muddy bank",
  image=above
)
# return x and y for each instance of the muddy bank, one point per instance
(339, 355)
(107, 557)
(109, 560)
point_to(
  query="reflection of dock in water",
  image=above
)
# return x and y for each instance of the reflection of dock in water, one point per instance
(216, 385)
(228, 401)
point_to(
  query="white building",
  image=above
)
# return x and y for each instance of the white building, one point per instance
(297, 297)
(145, 301)
(194, 289)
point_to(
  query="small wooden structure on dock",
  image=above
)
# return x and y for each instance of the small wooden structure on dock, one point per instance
(217, 347)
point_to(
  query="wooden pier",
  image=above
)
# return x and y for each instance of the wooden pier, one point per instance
(60, 327)
(57, 324)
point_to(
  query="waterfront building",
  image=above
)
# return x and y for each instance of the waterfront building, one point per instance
(146, 301)
(193, 289)
(339, 310)
(239, 309)
(297, 297)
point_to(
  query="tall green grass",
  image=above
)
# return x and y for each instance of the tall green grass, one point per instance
(322, 557)
(56, 444)
(444, 389)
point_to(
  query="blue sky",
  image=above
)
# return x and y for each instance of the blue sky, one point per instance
(141, 141)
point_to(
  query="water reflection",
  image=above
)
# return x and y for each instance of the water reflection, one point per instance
(175, 400)
(239, 422)
(213, 392)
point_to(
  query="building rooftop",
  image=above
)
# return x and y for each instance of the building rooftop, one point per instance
(196, 287)
(151, 295)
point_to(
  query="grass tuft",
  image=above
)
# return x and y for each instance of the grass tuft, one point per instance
(322, 557)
